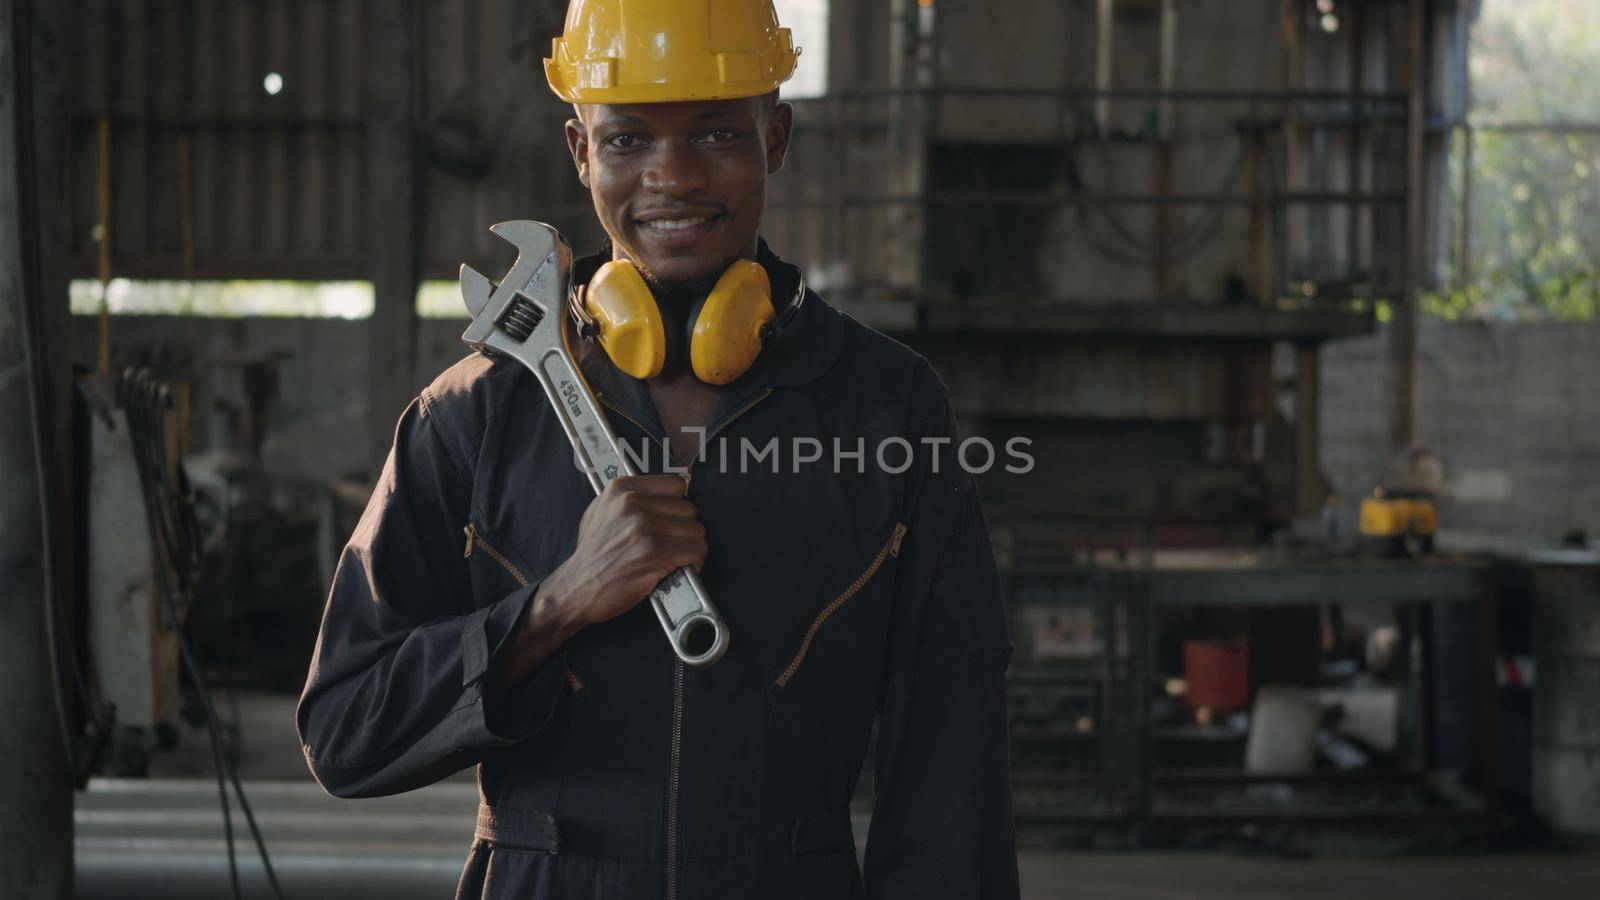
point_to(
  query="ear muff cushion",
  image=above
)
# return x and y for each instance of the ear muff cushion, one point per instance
(725, 331)
(630, 325)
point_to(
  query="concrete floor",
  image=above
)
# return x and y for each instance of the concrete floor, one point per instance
(1197, 876)
(120, 824)
(162, 837)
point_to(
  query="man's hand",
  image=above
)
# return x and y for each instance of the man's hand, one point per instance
(634, 534)
(639, 530)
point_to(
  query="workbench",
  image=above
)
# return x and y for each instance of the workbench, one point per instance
(1113, 776)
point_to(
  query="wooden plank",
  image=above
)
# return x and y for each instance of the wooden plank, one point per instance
(348, 220)
(129, 170)
(279, 51)
(350, 57)
(235, 190)
(205, 148)
(93, 79)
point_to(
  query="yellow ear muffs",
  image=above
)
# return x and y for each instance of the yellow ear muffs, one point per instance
(725, 336)
(629, 322)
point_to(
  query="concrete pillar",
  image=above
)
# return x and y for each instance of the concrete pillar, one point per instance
(393, 192)
(35, 776)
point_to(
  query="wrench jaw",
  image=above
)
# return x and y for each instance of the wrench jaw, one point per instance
(476, 289)
(538, 278)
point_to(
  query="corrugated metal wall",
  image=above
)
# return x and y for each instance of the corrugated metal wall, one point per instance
(271, 185)
(272, 182)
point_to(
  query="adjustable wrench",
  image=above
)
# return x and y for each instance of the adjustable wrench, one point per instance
(523, 317)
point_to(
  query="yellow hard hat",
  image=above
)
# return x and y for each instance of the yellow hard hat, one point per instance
(655, 51)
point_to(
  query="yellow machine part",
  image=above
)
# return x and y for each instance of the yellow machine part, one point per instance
(1423, 519)
(1386, 517)
(657, 51)
(1383, 518)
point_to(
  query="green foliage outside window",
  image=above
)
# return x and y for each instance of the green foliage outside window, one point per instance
(1534, 216)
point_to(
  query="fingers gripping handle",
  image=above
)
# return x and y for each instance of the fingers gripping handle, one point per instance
(522, 318)
(691, 623)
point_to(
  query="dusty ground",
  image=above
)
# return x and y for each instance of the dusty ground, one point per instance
(424, 837)
(1169, 876)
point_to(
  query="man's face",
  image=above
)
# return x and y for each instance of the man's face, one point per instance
(680, 187)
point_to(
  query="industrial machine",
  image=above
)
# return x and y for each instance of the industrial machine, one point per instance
(1399, 518)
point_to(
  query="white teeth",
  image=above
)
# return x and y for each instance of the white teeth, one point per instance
(676, 224)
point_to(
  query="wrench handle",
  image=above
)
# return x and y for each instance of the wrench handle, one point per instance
(693, 626)
(598, 454)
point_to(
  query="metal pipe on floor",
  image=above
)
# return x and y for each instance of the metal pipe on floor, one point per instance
(163, 838)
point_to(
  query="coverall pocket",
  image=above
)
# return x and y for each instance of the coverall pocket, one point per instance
(491, 564)
(496, 572)
(889, 550)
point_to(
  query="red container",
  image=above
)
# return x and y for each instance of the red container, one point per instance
(1218, 673)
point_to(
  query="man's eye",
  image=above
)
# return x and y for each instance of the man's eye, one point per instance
(624, 141)
(719, 136)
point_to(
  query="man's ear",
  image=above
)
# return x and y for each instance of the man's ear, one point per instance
(578, 146)
(780, 126)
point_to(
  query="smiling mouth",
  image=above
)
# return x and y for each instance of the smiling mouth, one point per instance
(679, 227)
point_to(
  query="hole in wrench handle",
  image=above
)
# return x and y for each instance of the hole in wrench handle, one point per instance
(701, 639)
(691, 623)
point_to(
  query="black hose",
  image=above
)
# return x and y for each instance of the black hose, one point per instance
(176, 550)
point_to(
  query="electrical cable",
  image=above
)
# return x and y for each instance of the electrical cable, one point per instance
(176, 550)
(1199, 231)
(1138, 250)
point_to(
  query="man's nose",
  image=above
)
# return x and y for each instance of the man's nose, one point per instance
(675, 170)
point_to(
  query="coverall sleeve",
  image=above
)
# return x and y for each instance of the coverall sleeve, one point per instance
(942, 822)
(395, 696)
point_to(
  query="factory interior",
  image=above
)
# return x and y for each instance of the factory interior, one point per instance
(1292, 302)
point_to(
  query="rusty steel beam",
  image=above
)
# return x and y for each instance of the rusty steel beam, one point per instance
(1403, 326)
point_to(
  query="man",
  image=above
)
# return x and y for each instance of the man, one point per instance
(855, 586)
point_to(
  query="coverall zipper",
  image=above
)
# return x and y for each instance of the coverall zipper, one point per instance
(677, 664)
(892, 548)
(474, 540)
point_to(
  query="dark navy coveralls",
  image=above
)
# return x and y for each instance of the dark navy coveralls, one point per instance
(614, 771)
